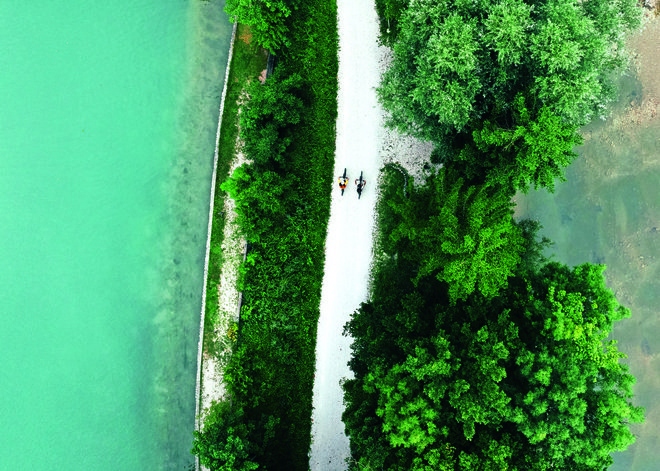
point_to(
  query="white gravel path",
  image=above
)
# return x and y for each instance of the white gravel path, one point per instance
(362, 145)
(349, 240)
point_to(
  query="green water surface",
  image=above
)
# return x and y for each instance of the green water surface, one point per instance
(609, 212)
(108, 114)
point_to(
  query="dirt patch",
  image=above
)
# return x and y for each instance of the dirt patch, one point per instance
(262, 76)
(646, 52)
(245, 36)
(653, 5)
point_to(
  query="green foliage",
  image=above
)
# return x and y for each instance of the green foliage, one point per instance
(267, 18)
(461, 70)
(522, 381)
(222, 445)
(230, 443)
(456, 61)
(389, 13)
(533, 150)
(462, 234)
(532, 256)
(269, 118)
(525, 379)
(283, 213)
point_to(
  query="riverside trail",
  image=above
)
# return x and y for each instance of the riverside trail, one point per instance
(350, 228)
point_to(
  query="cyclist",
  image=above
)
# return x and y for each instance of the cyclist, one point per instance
(342, 182)
(360, 186)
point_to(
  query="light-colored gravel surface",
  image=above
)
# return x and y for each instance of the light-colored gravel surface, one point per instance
(362, 145)
(213, 366)
(213, 388)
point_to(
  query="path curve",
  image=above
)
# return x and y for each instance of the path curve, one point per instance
(350, 228)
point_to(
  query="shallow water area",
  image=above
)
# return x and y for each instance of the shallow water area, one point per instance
(608, 211)
(109, 113)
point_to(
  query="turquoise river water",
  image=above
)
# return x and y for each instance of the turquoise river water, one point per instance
(108, 116)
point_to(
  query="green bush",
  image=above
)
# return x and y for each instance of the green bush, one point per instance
(228, 442)
(463, 234)
(267, 18)
(268, 120)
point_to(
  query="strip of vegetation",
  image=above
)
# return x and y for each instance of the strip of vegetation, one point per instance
(248, 61)
(283, 205)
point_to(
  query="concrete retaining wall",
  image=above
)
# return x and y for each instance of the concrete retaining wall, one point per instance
(200, 346)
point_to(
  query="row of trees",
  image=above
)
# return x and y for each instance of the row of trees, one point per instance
(475, 352)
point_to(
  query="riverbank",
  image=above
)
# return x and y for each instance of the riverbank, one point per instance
(224, 248)
(270, 372)
(608, 212)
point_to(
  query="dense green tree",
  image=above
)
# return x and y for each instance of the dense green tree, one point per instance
(456, 61)
(462, 234)
(532, 150)
(223, 444)
(268, 119)
(267, 19)
(526, 380)
(461, 69)
(259, 200)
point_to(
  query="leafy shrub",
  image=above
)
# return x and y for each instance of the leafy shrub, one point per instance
(462, 234)
(228, 442)
(268, 120)
(268, 19)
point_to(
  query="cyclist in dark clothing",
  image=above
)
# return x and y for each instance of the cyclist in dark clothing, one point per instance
(360, 186)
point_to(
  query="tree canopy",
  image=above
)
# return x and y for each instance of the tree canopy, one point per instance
(456, 61)
(228, 443)
(267, 19)
(489, 81)
(520, 376)
(463, 234)
(268, 120)
(526, 380)
(532, 151)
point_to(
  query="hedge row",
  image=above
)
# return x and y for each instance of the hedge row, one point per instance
(283, 204)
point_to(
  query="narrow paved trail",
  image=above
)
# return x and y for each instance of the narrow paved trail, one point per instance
(350, 229)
